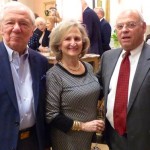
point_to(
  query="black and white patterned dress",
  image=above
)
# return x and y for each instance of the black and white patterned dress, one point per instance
(75, 96)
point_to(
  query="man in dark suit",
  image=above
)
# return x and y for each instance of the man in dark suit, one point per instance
(105, 28)
(91, 21)
(130, 28)
(22, 82)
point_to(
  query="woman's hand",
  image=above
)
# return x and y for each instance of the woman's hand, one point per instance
(93, 126)
(43, 49)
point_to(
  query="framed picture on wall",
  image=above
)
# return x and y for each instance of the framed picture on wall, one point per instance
(99, 3)
(105, 4)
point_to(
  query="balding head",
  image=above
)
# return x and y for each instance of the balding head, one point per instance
(84, 4)
(99, 11)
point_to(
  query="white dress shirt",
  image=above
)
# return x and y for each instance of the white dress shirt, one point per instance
(134, 58)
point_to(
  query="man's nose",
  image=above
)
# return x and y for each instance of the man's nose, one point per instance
(125, 28)
(16, 26)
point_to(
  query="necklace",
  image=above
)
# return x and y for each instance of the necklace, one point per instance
(72, 69)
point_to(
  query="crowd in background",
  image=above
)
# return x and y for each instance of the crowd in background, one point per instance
(98, 29)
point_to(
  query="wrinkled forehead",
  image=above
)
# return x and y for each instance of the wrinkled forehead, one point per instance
(16, 10)
(128, 15)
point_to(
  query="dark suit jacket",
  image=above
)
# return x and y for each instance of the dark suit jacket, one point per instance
(138, 120)
(105, 34)
(147, 37)
(9, 113)
(91, 20)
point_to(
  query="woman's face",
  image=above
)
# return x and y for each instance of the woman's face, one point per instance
(49, 25)
(41, 26)
(72, 44)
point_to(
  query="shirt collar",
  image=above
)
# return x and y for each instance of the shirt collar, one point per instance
(135, 51)
(101, 19)
(11, 52)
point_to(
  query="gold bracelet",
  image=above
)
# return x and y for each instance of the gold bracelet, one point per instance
(76, 126)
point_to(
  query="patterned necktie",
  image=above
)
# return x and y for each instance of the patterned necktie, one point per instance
(120, 106)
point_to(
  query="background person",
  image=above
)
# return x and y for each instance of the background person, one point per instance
(22, 88)
(51, 22)
(40, 38)
(130, 28)
(148, 39)
(91, 21)
(105, 28)
(71, 98)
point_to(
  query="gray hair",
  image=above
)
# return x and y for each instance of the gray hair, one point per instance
(101, 10)
(59, 32)
(39, 20)
(16, 5)
(134, 10)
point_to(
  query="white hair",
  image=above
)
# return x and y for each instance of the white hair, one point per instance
(16, 5)
(39, 20)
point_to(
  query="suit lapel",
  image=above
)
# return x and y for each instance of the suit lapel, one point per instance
(110, 68)
(141, 71)
(6, 75)
(34, 67)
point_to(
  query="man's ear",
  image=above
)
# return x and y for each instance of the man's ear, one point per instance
(1, 30)
(0, 33)
(33, 28)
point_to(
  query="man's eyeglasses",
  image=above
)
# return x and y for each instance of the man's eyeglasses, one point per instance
(128, 25)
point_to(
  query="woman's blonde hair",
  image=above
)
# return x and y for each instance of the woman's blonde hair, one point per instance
(60, 31)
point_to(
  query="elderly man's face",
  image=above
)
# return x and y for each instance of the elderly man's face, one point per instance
(16, 29)
(130, 30)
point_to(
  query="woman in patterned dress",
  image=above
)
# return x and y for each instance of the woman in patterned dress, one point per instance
(72, 90)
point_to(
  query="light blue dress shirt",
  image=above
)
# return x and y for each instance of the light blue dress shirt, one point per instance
(23, 86)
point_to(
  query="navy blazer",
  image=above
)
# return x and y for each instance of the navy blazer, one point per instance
(91, 21)
(105, 34)
(9, 113)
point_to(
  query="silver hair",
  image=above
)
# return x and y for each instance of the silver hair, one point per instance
(16, 5)
(39, 20)
(134, 10)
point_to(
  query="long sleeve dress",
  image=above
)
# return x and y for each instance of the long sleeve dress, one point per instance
(71, 97)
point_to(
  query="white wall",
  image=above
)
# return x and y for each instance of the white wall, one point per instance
(69, 9)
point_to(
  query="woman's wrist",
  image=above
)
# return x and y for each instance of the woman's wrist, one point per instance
(77, 125)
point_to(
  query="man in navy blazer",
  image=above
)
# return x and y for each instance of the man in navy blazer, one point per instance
(105, 28)
(22, 82)
(91, 21)
(130, 27)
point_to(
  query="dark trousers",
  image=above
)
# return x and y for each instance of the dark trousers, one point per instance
(28, 143)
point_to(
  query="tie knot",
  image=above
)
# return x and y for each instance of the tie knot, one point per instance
(126, 54)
